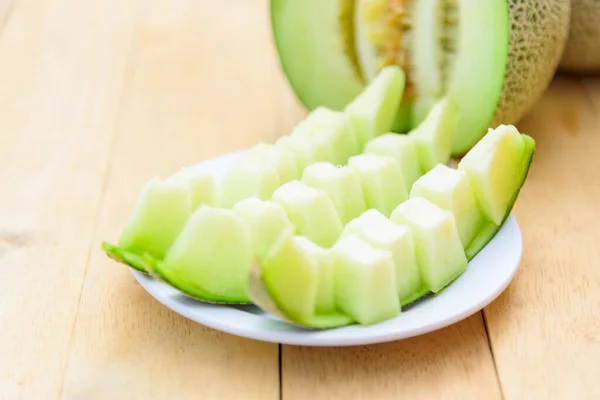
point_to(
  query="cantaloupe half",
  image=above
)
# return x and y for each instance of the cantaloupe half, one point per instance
(494, 58)
(582, 51)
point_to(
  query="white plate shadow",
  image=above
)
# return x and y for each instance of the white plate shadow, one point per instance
(488, 274)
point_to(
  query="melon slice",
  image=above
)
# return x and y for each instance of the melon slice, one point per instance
(157, 218)
(365, 281)
(403, 149)
(382, 181)
(280, 158)
(295, 282)
(311, 211)
(211, 258)
(267, 222)
(329, 129)
(342, 184)
(246, 178)
(378, 231)
(440, 253)
(201, 184)
(451, 190)
(497, 168)
(488, 55)
(433, 136)
(374, 110)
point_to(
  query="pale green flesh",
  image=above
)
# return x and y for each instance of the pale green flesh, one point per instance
(311, 52)
(201, 184)
(403, 149)
(365, 284)
(341, 184)
(269, 154)
(440, 254)
(213, 254)
(157, 218)
(245, 178)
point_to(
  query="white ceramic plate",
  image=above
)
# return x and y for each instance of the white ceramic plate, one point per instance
(488, 274)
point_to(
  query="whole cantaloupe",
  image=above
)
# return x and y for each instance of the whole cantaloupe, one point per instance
(582, 51)
(495, 58)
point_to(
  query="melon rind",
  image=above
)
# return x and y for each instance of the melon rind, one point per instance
(582, 53)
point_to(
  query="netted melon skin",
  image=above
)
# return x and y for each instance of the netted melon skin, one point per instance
(582, 51)
(538, 34)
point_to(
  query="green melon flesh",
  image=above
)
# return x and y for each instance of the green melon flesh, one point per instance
(403, 149)
(374, 110)
(267, 222)
(330, 129)
(382, 181)
(433, 136)
(440, 254)
(269, 154)
(201, 184)
(365, 281)
(381, 233)
(512, 169)
(295, 282)
(311, 211)
(342, 184)
(211, 258)
(246, 178)
(157, 218)
(451, 190)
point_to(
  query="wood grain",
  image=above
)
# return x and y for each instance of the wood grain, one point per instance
(197, 89)
(545, 329)
(59, 96)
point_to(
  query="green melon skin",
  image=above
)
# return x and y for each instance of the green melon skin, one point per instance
(157, 218)
(440, 253)
(342, 184)
(211, 258)
(365, 281)
(295, 282)
(124, 257)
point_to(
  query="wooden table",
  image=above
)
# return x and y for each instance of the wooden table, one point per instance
(98, 96)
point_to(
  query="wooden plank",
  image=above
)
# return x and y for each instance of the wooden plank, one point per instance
(204, 83)
(452, 363)
(545, 329)
(62, 64)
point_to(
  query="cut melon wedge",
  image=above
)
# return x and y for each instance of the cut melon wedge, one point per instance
(246, 178)
(295, 282)
(267, 222)
(451, 190)
(378, 231)
(374, 110)
(311, 211)
(365, 281)
(401, 147)
(440, 253)
(211, 258)
(157, 218)
(342, 184)
(382, 181)
(280, 158)
(201, 184)
(433, 136)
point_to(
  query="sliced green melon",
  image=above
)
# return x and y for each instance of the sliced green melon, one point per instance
(382, 181)
(440, 253)
(433, 136)
(311, 211)
(211, 258)
(132, 260)
(403, 149)
(373, 111)
(201, 184)
(378, 231)
(246, 178)
(451, 190)
(269, 154)
(493, 164)
(365, 281)
(267, 222)
(158, 216)
(330, 129)
(342, 184)
(295, 282)
(494, 57)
